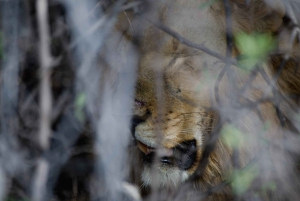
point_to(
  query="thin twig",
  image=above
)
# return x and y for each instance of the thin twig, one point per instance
(217, 84)
(41, 174)
(9, 92)
(45, 61)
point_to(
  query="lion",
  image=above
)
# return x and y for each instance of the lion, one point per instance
(185, 96)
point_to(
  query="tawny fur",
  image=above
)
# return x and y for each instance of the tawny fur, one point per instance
(174, 109)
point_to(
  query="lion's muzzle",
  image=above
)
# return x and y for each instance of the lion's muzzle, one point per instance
(182, 155)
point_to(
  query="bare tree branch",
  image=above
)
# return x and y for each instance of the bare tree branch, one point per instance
(45, 61)
(41, 174)
(9, 93)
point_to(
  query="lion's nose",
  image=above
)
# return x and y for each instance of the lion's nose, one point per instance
(185, 154)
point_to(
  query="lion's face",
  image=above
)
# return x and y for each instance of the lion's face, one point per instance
(174, 92)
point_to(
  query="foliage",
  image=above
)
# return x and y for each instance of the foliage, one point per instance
(242, 179)
(208, 4)
(80, 102)
(254, 48)
(232, 137)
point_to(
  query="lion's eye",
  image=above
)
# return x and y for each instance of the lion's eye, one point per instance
(138, 103)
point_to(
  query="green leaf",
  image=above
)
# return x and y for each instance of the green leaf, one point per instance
(207, 4)
(254, 48)
(79, 105)
(242, 179)
(269, 186)
(232, 136)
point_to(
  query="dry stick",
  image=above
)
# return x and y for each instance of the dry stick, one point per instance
(87, 66)
(45, 99)
(45, 62)
(132, 5)
(230, 73)
(101, 24)
(291, 14)
(9, 91)
(217, 84)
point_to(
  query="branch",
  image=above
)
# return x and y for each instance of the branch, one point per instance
(45, 62)
(42, 170)
(9, 92)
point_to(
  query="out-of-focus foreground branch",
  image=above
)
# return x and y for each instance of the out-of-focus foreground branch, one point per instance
(45, 99)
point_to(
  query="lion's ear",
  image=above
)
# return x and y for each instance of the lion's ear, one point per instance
(258, 15)
(290, 9)
(273, 21)
(276, 5)
(254, 15)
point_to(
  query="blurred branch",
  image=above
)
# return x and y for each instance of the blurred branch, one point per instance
(9, 90)
(67, 132)
(41, 174)
(105, 23)
(290, 11)
(45, 61)
(90, 33)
